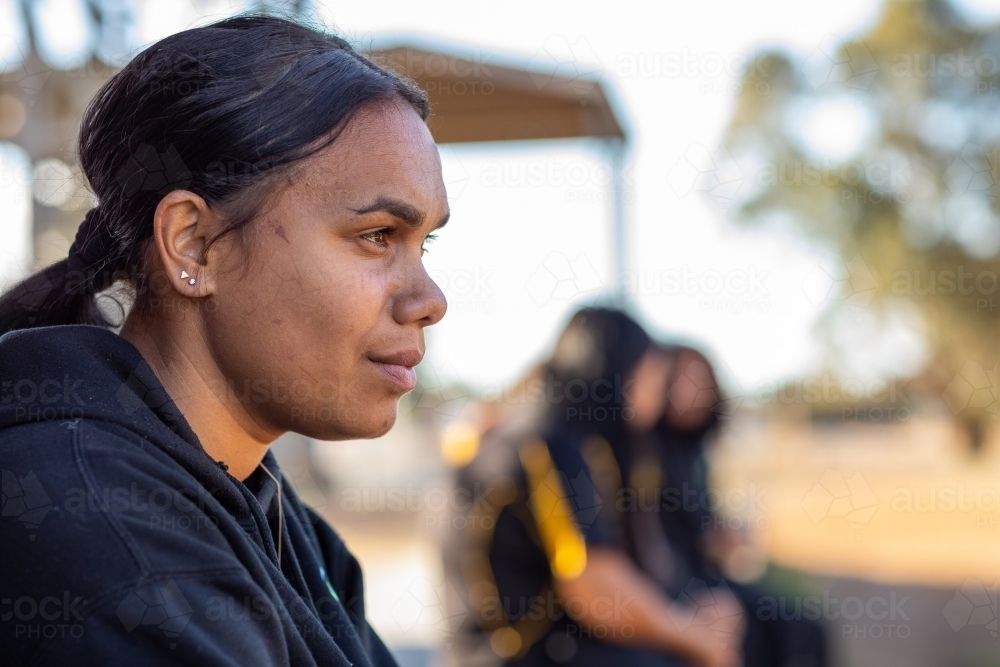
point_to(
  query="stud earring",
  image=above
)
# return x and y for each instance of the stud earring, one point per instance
(184, 274)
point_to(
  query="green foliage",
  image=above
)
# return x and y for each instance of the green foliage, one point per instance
(886, 148)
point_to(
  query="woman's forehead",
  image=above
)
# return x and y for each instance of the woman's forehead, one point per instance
(382, 148)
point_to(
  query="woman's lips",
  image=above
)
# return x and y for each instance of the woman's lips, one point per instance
(398, 367)
(404, 376)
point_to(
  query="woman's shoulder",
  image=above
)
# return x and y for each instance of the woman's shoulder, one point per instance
(100, 525)
(89, 507)
(68, 372)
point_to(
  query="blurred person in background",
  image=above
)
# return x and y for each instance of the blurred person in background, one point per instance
(541, 557)
(265, 192)
(678, 538)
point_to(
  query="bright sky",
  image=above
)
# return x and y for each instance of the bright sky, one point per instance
(520, 253)
(512, 236)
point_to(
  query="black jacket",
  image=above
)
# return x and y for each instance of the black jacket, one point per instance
(122, 542)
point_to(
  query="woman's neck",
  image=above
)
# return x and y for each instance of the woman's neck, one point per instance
(182, 361)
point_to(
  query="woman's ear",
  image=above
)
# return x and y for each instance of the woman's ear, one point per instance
(183, 224)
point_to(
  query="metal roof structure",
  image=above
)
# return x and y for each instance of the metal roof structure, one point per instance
(477, 97)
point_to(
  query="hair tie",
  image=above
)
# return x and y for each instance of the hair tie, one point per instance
(91, 253)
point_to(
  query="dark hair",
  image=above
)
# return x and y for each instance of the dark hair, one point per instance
(220, 110)
(588, 373)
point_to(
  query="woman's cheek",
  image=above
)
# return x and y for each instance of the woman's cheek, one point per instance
(273, 284)
(372, 287)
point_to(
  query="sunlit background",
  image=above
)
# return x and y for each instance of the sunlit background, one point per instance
(806, 190)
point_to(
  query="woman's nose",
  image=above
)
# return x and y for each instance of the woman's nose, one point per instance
(424, 304)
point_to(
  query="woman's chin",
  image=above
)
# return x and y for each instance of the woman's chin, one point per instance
(361, 425)
(377, 429)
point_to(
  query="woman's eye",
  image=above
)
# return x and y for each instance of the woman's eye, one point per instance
(379, 237)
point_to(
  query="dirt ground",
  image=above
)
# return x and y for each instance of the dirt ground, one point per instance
(893, 532)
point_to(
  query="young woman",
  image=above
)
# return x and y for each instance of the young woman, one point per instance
(266, 193)
(542, 555)
(698, 541)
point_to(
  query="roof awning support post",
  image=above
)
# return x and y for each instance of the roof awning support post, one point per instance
(618, 197)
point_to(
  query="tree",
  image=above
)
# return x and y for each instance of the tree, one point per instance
(887, 149)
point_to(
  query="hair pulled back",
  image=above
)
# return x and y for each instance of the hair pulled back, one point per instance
(218, 110)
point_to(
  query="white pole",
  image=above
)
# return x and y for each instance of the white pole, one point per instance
(618, 227)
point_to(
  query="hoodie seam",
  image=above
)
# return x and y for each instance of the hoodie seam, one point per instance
(88, 478)
(142, 434)
(123, 533)
(95, 603)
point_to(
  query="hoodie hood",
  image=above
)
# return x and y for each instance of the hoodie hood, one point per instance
(65, 373)
(81, 409)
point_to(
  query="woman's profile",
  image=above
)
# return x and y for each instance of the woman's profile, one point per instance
(265, 193)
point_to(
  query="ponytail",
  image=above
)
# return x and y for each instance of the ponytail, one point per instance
(217, 110)
(64, 293)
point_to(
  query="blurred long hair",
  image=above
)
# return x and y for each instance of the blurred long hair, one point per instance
(587, 379)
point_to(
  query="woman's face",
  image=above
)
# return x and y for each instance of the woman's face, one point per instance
(648, 390)
(318, 315)
(692, 395)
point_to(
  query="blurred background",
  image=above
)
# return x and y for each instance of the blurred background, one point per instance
(805, 190)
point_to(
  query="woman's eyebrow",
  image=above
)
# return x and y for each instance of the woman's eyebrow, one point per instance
(408, 213)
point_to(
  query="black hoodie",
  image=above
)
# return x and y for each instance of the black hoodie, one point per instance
(123, 542)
